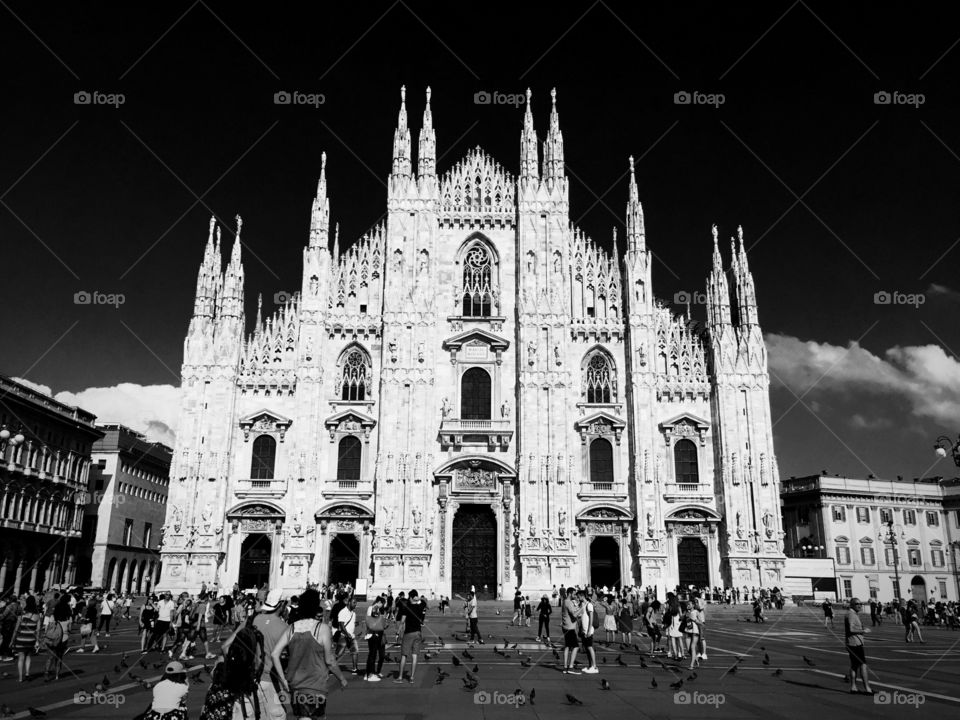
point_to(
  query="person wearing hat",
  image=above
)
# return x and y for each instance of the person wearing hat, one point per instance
(854, 632)
(170, 694)
(273, 627)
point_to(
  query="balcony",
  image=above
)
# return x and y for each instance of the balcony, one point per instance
(602, 491)
(695, 492)
(357, 489)
(491, 433)
(249, 488)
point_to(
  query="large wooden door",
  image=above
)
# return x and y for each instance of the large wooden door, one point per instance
(692, 563)
(474, 549)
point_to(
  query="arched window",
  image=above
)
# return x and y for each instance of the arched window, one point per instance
(354, 378)
(264, 457)
(599, 378)
(475, 395)
(685, 462)
(601, 461)
(349, 453)
(477, 291)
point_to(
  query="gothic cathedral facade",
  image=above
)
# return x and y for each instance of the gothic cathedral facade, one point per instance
(474, 394)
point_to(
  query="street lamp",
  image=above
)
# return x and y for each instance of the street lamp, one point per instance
(8, 438)
(945, 445)
(891, 537)
(812, 548)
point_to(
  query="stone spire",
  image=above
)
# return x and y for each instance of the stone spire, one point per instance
(401, 140)
(636, 233)
(336, 243)
(746, 294)
(233, 279)
(427, 153)
(718, 292)
(204, 304)
(320, 217)
(529, 153)
(553, 168)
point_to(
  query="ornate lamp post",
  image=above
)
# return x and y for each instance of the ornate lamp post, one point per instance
(945, 445)
(891, 537)
(815, 549)
(9, 438)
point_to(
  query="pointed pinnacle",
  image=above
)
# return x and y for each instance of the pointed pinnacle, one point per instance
(428, 96)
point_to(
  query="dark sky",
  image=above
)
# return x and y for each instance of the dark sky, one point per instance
(103, 198)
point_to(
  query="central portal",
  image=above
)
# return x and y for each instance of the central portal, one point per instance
(344, 559)
(255, 561)
(692, 563)
(605, 562)
(474, 549)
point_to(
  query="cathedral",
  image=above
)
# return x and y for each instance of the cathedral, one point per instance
(474, 393)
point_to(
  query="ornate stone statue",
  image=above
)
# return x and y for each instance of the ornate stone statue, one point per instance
(420, 352)
(531, 352)
(392, 349)
(650, 528)
(556, 354)
(206, 516)
(533, 525)
(176, 519)
(739, 527)
(561, 522)
(446, 408)
(417, 518)
(505, 408)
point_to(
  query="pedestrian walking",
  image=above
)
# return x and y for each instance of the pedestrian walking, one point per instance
(347, 629)
(827, 613)
(309, 643)
(410, 618)
(854, 631)
(473, 618)
(88, 627)
(107, 608)
(653, 624)
(517, 608)
(165, 611)
(376, 623)
(26, 637)
(911, 622)
(544, 610)
(145, 623)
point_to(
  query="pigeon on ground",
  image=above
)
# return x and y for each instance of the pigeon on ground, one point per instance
(123, 660)
(691, 677)
(778, 672)
(105, 682)
(533, 694)
(573, 700)
(604, 660)
(466, 655)
(766, 659)
(677, 685)
(513, 647)
(604, 685)
(653, 682)
(471, 677)
(476, 668)
(556, 655)
(525, 663)
(620, 662)
(36, 713)
(143, 663)
(470, 685)
(643, 663)
(809, 662)
(440, 679)
(117, 669)
(456, 660)
(733, 670)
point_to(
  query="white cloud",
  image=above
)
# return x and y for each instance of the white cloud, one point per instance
(922, 375)
(150, 409)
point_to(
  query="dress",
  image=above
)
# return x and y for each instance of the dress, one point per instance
(625, 620)
(26, 640)
(610, 619)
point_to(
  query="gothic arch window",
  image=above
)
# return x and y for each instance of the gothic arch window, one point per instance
(475, 398)
(349, 455)
(479, 290)
(685, 462)
(599, 378)
(264, 458)
(354, 377)
(601, 461)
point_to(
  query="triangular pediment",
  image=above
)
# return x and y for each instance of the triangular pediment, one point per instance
(685, 419)
(348, 417)
(476, 336)
(601, 417)
(265, 416)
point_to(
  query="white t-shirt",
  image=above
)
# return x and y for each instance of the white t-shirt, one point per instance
(587, 619)
(349, 619)
(167, 695)
(164, 610)
(106, 607)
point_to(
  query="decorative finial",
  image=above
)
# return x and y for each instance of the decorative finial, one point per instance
(713, 229)
(428, 94)
(553, 96)
(631, 164)
(239, 224)
(323, 161)
(740, 233)
(529, 94)
(403, 93)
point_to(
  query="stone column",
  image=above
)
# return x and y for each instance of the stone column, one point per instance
(7, 562)
(18, 577)
(71, 573)
(122, 588)
(32, 585)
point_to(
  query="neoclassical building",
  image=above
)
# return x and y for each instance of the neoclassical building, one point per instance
(473, 393)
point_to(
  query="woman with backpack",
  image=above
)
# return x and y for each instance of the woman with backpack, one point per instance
(671, 624)
(376, 626)
(653, 621)
(311, 660)
(88, 621)
(26, 637)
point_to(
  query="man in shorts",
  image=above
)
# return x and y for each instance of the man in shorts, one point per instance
(347, 625)
(410, 616)
(587, 629)
(571, 642)
(855, 631)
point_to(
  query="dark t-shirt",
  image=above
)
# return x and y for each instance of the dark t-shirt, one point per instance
(335, 613)
(414, 614)
(517, 599)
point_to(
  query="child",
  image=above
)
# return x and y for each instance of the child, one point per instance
(170, 694)
(527, 610)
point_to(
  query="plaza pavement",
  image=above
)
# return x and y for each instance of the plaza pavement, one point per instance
(915, 677)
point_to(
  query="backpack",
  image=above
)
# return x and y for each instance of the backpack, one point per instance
(243, 665)
(594, 618)
(53, 635)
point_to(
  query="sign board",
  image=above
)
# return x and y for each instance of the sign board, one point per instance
(360, 589)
